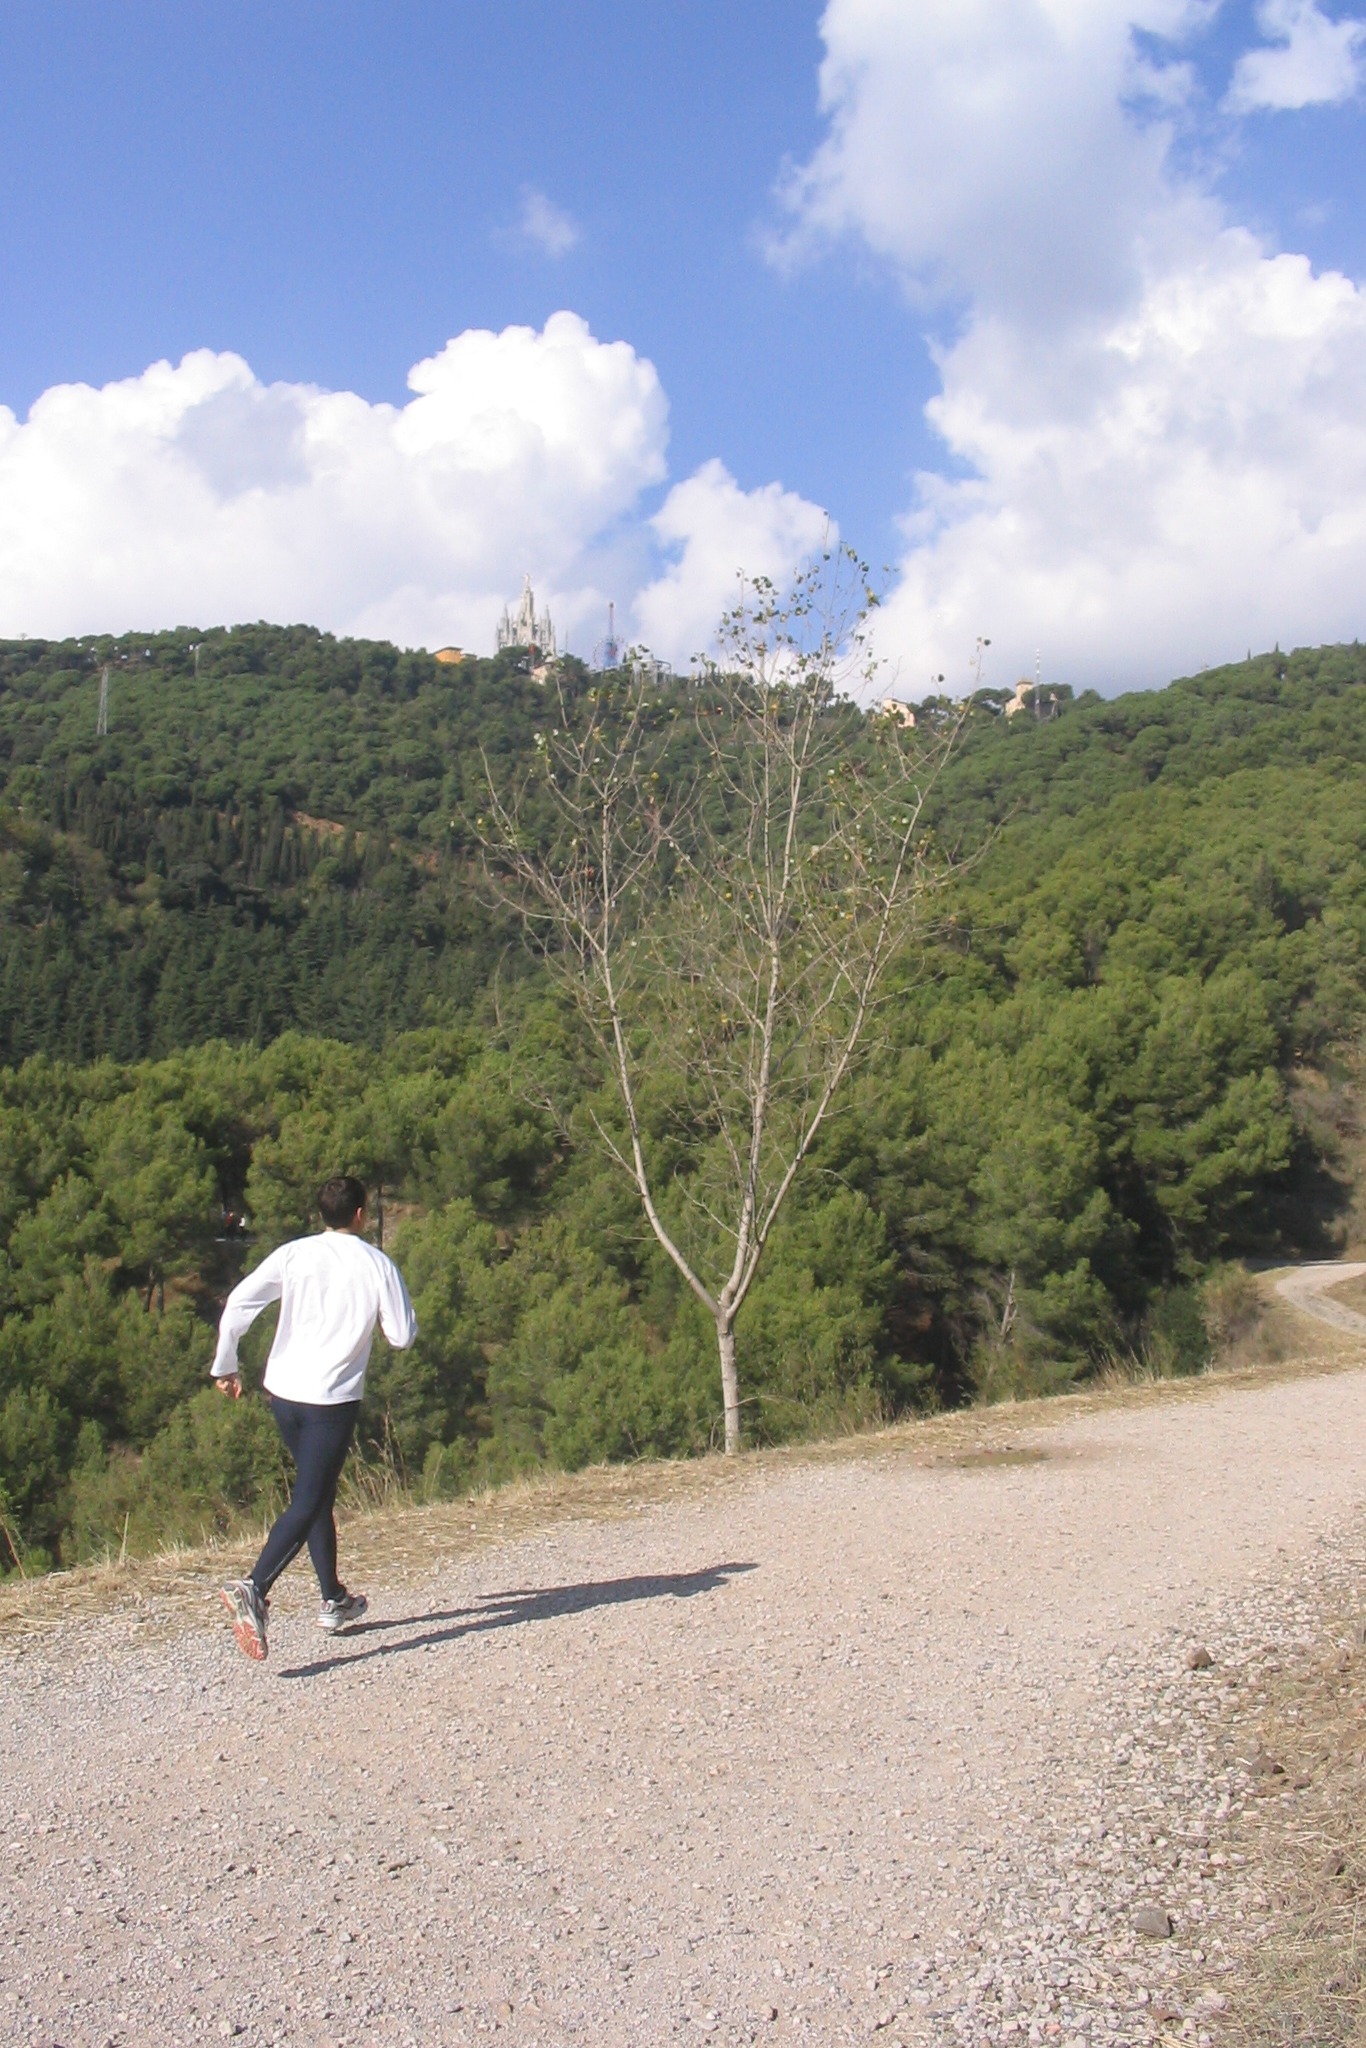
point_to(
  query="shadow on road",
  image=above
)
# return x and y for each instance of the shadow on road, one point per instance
(514, 1610)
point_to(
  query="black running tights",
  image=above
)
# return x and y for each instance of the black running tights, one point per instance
(317, 1438)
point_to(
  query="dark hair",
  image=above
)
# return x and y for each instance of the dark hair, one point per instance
(339, 1199)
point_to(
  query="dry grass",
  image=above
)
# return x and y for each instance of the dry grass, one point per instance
(1304, 1985)
(1351, 1293)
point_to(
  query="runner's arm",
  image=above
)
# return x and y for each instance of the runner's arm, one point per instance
(396, 1317)
(241, 1309)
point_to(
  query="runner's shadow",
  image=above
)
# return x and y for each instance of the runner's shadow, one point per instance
(515, 1609)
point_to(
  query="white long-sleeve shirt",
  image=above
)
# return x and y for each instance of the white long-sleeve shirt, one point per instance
(332, 1290)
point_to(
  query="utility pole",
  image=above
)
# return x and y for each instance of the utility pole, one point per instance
(102, 721)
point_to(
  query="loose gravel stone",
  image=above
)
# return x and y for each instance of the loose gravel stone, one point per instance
(1155, 1921)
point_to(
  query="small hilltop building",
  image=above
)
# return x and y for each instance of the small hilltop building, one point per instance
(1041, 700)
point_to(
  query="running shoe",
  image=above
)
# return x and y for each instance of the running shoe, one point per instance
(248, 1612)
(335, 1615)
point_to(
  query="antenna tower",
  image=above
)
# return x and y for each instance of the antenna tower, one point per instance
(102, 721)
(607, 653)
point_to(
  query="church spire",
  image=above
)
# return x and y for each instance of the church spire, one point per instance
(525, 627)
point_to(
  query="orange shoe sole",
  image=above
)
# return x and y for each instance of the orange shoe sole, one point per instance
(248, 1642)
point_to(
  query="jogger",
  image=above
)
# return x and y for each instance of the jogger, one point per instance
(332, 1290)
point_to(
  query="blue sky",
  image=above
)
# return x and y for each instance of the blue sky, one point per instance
(331, 192)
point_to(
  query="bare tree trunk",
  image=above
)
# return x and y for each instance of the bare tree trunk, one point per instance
(730, 1384)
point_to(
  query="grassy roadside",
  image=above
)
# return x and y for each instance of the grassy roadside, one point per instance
(391, 1540)
(1303, 1985)
(1352, 1293)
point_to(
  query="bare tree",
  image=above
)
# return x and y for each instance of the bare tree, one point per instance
(722, 883)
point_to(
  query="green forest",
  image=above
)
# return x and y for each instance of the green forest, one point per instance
(244, 944)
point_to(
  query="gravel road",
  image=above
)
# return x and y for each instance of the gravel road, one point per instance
(879, 1748)
(1307, 1288)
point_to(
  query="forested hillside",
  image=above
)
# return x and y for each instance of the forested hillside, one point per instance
(267, 840)
(242, 946)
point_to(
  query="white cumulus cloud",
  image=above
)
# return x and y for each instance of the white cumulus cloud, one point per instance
(1310, 60)
(716, 533)
(984, 148)
(1155, 424)
(1204, 490)
(196, 493)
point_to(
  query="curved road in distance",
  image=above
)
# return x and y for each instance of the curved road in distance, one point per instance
(1307, 1288)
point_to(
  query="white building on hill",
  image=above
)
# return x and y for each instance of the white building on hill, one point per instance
(1036, 697)
(526, 627)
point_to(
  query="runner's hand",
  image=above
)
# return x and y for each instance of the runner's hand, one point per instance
(230, 1385)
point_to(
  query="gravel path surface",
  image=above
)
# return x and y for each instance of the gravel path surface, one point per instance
(1307, 1289)
(873, 1749)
